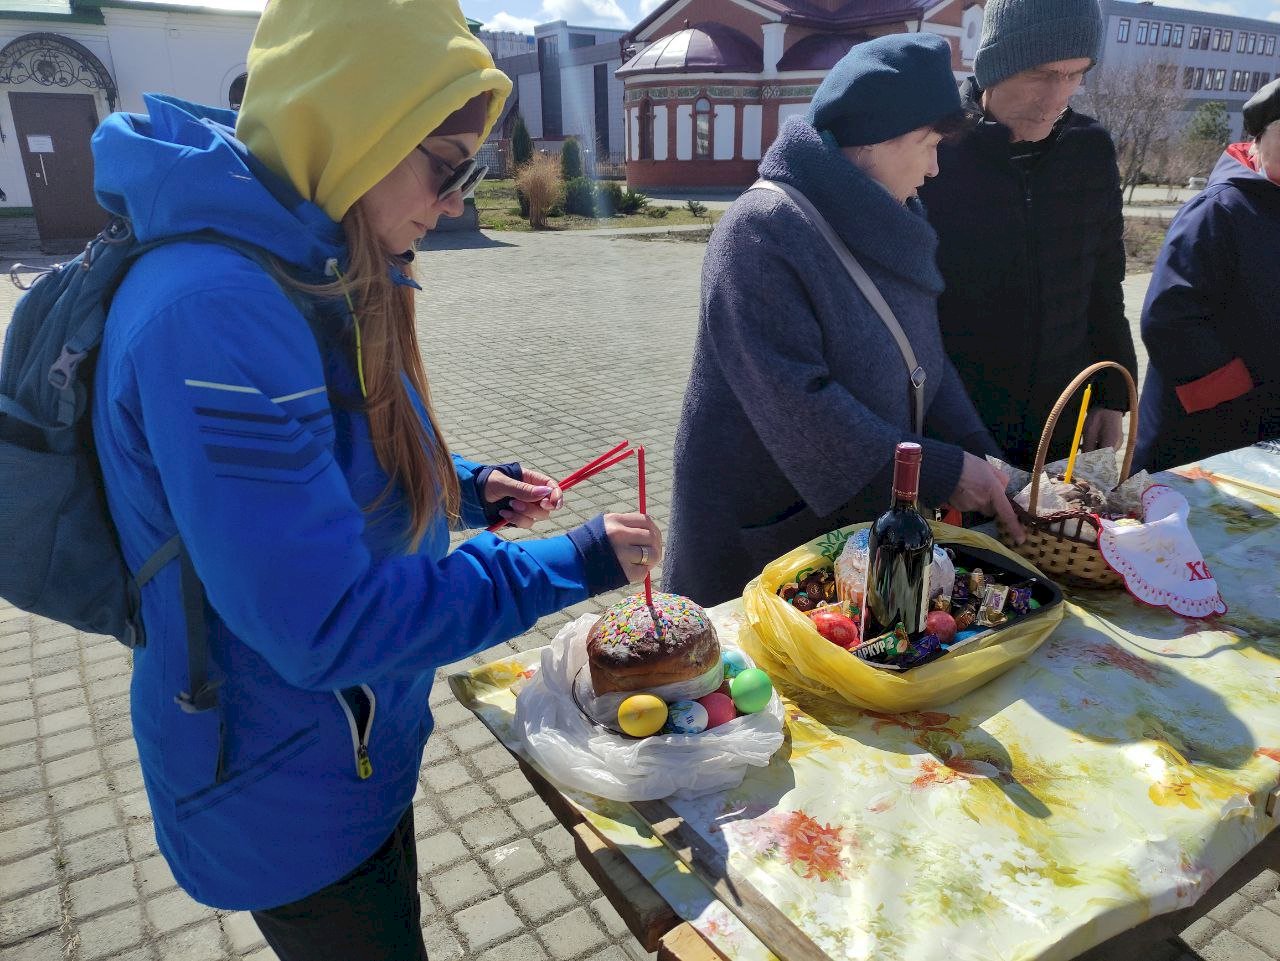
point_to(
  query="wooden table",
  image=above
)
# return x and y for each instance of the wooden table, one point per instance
(1128, 768)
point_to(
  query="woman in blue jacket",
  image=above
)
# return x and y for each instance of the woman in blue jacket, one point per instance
(267, 402)
(798, 395)
(1212, 317)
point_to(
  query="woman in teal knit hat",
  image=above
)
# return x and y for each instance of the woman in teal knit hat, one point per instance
(799, 393)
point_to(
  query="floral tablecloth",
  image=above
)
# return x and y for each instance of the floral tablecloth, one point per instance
(1111, 777)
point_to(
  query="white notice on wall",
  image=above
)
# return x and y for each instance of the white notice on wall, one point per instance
(39, 143)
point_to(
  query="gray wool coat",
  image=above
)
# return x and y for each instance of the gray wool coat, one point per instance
(798, 394)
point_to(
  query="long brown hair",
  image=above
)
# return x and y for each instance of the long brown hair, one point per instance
(414, 456)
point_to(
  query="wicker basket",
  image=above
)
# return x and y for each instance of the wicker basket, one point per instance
(1065, 545)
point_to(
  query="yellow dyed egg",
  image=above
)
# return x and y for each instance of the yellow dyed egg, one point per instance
(642, 714)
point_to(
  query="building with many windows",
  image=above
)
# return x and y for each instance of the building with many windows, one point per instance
(565, 86)
(1206, 56)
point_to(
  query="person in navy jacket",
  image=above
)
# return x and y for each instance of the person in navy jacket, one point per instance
(1211, 322)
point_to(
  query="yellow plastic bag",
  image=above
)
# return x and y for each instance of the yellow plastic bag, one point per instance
(784, 642)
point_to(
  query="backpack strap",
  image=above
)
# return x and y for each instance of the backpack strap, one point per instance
(202, 694)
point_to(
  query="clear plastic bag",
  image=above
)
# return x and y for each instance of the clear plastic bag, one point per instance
(578, 753)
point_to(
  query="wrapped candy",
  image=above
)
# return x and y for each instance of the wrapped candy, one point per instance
(885, 648)
(977, 583)
(1020, 598)
(926, 648)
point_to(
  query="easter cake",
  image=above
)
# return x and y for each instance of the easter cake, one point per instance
(635, 647)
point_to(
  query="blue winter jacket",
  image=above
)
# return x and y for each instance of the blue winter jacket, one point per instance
(221, 414)
(1211, 323)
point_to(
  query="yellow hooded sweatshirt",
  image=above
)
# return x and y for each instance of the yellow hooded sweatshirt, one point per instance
(340, 91)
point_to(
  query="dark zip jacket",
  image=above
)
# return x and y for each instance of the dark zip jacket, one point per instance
(1033, 261)
(1212, 321)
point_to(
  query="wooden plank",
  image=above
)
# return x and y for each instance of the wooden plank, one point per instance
(647, 915)
(760, 916)
(565, 813)
(684, 943)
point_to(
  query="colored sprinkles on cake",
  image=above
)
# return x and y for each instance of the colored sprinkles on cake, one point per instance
(630, 629)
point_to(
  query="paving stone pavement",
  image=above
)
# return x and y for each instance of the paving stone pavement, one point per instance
(541, 348)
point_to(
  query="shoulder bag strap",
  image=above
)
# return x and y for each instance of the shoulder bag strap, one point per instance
(916, 373)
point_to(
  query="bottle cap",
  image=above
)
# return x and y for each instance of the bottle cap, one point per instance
(906, 471)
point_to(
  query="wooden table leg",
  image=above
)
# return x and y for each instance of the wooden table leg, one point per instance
(684, 943)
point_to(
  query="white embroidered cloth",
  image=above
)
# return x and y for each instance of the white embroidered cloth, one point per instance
(1159, 559)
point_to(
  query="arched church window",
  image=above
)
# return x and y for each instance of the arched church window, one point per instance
(702, 128)
(646, 129)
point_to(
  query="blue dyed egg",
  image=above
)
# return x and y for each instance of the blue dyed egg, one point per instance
(686, 717)
(735, 662)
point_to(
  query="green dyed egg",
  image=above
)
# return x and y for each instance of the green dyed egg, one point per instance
(751, 690)
(1035, 605)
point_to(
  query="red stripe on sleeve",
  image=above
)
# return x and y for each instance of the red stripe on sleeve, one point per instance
(1226, 383)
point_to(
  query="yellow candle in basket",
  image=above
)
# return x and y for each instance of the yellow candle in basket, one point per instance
(1075, 441)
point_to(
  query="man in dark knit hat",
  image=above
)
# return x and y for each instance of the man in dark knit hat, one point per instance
(1212, 317)
(1028, 213)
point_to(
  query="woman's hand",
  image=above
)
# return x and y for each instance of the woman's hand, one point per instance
(982, 488)
(532, 499)
(636, 541)
(1103, 428)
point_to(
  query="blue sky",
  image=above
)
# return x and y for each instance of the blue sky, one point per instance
(523, 14)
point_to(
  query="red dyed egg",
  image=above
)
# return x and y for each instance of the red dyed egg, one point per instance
(942, 624)
(724, 689)
(837, 628)
(720, 709)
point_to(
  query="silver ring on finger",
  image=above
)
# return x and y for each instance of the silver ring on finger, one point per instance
(644, 555)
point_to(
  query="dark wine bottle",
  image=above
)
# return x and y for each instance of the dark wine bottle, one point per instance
(900, 552)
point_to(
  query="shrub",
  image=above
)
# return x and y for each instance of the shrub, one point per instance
(657, 213)
(632, 202)
(580, 197)
(521, 143)
(609, 195)
(539, 180)
(521, 154)
(696, 208)
(571, 160)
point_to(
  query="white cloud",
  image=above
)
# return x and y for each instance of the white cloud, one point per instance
(648, 6)
(505, 21)
(1274, 17)
(586, 13)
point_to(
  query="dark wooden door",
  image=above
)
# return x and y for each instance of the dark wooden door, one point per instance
(53, 137)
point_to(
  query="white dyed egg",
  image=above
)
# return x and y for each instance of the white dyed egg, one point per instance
(686, 717)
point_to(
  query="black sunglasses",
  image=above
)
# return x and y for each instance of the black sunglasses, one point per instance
(462, 178)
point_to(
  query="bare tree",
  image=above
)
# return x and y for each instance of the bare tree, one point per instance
(1138, 106)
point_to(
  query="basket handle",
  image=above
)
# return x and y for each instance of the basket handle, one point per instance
(1047, 434)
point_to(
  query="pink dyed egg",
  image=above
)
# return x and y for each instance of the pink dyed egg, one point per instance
(720, 709)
